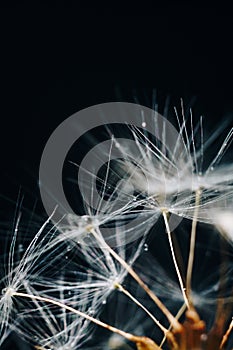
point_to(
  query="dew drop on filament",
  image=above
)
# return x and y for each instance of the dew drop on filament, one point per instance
(145, 247)
(20, 248)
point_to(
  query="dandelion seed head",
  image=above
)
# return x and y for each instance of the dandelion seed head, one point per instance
(6, 304)
(8, 292)
(88, 223)
(153, 179)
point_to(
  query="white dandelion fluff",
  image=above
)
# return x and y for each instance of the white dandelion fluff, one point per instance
(102, 267)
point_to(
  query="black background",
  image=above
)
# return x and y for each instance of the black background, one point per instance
(57, 59)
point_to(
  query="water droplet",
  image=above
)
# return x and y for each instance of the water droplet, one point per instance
(145, 247)
(104, 302)
(143, 124)
(69, 292)
(20, 248)
(66, 257)
(204, 337)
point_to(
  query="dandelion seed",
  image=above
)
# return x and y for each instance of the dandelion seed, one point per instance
(69, 277)
(19, 275)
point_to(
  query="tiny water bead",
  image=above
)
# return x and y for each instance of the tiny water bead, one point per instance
(91, 311)
(146, 247)
(20, 248)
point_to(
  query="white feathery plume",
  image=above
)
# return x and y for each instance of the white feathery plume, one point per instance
(101, 272)
(169, 179)
(18, 275)
(55, 328)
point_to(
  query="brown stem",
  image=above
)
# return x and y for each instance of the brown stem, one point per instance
(143, 343)
(175, 324)
(192, 244)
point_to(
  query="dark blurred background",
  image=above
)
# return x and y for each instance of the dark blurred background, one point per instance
(60, 58)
